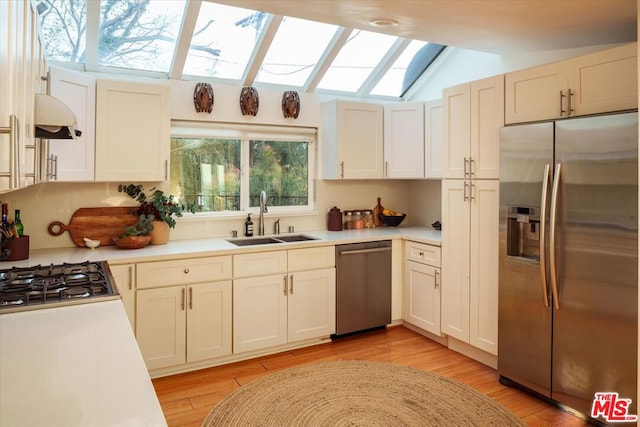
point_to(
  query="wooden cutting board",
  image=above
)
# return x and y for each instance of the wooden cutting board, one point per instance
(96, 223)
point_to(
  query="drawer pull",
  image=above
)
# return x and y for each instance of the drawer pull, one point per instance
(186, 271)
(421, 253)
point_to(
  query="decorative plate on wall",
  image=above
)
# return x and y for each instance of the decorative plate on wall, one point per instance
(290, 104)
(249, 101)
(203, 98)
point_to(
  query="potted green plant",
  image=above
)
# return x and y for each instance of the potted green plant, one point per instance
(161, 205)
(137, 235)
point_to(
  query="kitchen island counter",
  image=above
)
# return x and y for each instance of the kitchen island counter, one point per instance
(77, 365)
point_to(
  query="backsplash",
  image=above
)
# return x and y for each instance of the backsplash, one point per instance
(43, 203)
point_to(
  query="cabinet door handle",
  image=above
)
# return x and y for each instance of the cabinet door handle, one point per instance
(562, 111)
(291, 285)
(464, 194)
(341, 169)
(569, 109)
(130, 277)
(286, 283)
(183, 296)
(436, 279)
(166, 170)
(386, 169)
(471, 163)
(466, 173)
(471, 187)
(54, 166)
(191, 298)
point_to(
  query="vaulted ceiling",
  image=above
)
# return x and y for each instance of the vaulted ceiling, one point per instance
(497, 26)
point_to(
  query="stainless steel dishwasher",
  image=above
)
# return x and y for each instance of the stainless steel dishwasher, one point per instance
(363, 281)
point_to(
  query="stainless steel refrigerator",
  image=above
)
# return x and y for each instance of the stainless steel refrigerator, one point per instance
(568, 291)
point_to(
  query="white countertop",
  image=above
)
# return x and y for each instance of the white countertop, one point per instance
(77, 365)
(218, 246)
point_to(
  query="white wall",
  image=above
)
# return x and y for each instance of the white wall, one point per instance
(43, 203)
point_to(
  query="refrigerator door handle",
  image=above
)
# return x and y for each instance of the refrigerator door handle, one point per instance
(543, 234)
(552, 236)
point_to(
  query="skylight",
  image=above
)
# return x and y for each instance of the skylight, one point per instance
(291, 58)
(223, 40)
(202, 39)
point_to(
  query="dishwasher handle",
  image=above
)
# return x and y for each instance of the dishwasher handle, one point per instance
(365, 251)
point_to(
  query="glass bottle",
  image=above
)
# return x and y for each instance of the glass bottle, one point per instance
(377, 210)
(5, 216)
(18, 223)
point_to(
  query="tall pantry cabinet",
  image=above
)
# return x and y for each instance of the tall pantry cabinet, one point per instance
(473, 114)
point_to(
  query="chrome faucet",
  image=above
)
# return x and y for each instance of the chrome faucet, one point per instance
(263, 210)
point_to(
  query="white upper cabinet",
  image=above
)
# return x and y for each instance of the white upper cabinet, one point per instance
(473, 114)
(352, 140)
(73, 160)
(456, 131)
(404, 140)
(133, 131)
(599, 82)
(21, 56)
(433, 141)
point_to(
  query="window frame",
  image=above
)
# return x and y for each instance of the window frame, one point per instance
(246, 133)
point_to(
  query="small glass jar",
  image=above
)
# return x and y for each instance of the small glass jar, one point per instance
(347, 217)
(357, 219)
(367, 219)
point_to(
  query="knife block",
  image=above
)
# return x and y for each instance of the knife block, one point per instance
(19, 248)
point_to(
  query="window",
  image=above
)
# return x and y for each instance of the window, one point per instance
(222, 169)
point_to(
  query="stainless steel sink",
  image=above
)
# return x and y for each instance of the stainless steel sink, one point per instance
(251, 241)
(295, 238)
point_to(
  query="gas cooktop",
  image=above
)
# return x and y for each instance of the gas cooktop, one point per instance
(45, 286)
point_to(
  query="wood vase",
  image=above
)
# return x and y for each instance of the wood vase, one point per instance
(160, 233)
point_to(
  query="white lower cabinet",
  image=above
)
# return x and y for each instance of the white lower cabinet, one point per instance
(422, 287)
(124, 276)
(180, 317)
(295, 303)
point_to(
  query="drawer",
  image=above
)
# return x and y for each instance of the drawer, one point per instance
(312, 258)
(183, 272)
(259, 263)
(424, 254)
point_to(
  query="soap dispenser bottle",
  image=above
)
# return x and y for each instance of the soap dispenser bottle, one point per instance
(248, 226)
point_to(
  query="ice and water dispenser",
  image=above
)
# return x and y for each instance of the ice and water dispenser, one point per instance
(523, 232)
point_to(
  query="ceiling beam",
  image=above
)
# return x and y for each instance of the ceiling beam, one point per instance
(181, 50)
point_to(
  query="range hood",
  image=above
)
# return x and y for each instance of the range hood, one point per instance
(53, 119)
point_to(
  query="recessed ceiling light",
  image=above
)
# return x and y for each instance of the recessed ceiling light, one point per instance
(383, 22)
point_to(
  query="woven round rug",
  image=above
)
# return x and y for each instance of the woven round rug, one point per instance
(357, 393)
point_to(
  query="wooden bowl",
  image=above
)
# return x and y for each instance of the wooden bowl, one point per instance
(132, 242)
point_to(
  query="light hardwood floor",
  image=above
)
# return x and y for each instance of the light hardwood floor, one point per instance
(187, 398)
